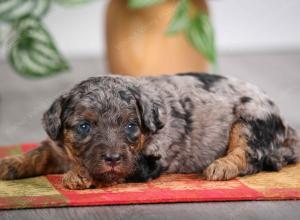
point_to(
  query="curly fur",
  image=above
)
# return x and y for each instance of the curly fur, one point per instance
(188, 123)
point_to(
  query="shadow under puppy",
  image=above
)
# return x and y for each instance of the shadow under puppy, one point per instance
(112, 129)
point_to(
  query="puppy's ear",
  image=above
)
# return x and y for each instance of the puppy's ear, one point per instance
(148, 109)
(52, 119)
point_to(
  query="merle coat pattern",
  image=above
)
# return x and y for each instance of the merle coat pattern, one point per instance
(211, 124)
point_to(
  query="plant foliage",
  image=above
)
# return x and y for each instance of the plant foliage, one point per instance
(197, 28)
(180, 20)
(13, 10)
(32, 51)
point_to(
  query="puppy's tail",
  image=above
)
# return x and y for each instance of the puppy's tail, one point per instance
(292, 142)
(45, 159)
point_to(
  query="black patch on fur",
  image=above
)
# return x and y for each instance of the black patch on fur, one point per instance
(159, 125)
(125, 96)
(271, 102)
(264, 140)
(177, 114)
(147, 168)
(245, 99)
(188, 107)
(185, 115)
(265, 131)
(291, 142)
(208, 80)
(272, 163)
(234, 109)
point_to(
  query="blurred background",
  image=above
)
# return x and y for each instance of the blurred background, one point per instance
(257, 41)
(240, 26)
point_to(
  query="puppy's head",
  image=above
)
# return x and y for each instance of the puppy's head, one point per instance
(102, 124)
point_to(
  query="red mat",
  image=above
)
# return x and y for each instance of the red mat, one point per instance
(47, 191)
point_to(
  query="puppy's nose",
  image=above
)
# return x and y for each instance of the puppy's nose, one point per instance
(112, 158)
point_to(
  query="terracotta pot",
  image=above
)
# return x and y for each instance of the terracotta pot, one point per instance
(137, 43)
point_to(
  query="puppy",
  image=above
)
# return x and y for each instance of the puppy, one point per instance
(112, 129)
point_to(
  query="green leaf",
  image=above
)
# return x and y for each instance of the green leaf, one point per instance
(32, 52)
(201, 34)
(72, 2)
(181, 18)
(12, 10)
(142, 3)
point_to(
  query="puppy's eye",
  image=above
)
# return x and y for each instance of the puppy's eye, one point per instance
(83, 128)
(131, 128)
(132, 131)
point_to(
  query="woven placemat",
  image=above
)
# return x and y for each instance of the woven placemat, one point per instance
(47, 191)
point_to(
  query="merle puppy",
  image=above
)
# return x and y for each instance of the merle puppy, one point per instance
(112, 129)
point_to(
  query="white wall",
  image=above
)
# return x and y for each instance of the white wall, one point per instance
(256, 24)
(241, 25)
(79, 30)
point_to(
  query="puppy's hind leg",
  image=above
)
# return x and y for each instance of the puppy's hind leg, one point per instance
(43, 160)
(235, 162)
(290, 149)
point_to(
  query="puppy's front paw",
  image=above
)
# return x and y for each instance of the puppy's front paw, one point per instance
(9, 168)
(73, 180)
(221, 170)
(152, 150)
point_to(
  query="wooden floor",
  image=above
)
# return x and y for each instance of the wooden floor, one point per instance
(23, 101)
